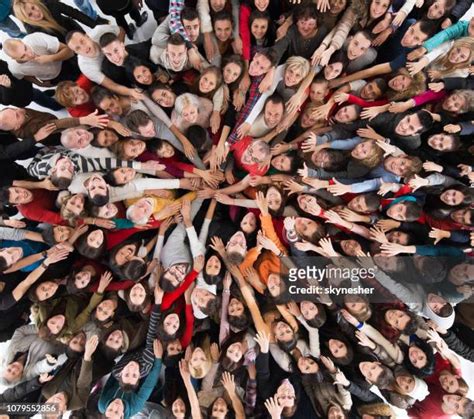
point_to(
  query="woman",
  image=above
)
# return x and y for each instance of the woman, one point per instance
(75, 96)
(124, 259)
(262, 33)
(190, 110)
(50, 17)
(92, 244)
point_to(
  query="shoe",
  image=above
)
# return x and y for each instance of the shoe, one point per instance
(131, 30)
(102, 21)
(143, 19)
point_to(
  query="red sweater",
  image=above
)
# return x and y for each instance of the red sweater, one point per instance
(42, 208)
(86, 108)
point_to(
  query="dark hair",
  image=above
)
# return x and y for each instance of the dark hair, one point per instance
(235, 258)
(98, 94)
(5, 195)
(320, 319)
(166, 284)
(109, 178)
(305, 11)
(158, 85)
(70, 34)
(276, 99)
(429, 368)
(128, 388)
(212, 306)
(237, 60)
(87, 251)
(133, 269)
(140, 307)
(176, 39)
(3, 264)
(214, 279)
(189, 13)
(339, 57)
(381, 84)
(47, 234)
(156, 145)
(222, 15)
(197, 135)
(337, 159)
(367, 35)
(426, 120)
(60, 182)
(163, 335)
(137, 119)
(270, 55)
(107, 39)
(428, 27)
(98, 199)
(385, 379)
(131, 63)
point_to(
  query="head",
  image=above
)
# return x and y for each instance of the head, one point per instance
(376, 373)
(261, 63)
(403, 166)
(78, 342)
(308, 365)
(115, 409)
(296, 69)
(82, 278)
(106, 310)
(130, 376)
(113, 48)
(14, 195)
(76, 138)
(286, 396)
(286, 162)
(401, 81)
(336, 65)
(187, 106)
(97, 190)
(337, 6)
(257, 152)
(121, 176)
(463, 216)
(365, 203)
(236, 247)
(43, 291)
(213, 269)
(191, 23)
(318, 90)
(141, 211)
(70, 94)
(162, 94)
(209, 80)
(378, 8)
(139, 121)
(358, 45)
(199, 363)
(329, 159)
(347, 113)
(176, 51)
(459, 102)
(374, 89)
(444, 142)
(341, 352)
(232, 69)
(414, 124)
(259, 24)
(11, 119)
(107, 101)
(92, 244)
(309, 229)
(104, 138)
(173, 276)
(129, 149)
(306, 19)
(400, 320)
(223, 26)
(454, 404)
(273, 110)
(60, 400)
(419, 359)
(81, 44)
(439, 9)
(452, 383)
(18, 50)
(418, 33)
(405, 211)
(162, 149)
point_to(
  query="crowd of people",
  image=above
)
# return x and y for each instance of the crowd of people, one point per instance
(264, 210)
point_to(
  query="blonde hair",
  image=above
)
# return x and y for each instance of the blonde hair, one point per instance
(444, 66)
(48, 22)
(298, 63)
(184, 100)
(374, 158)
(201, 372)
(64, 94)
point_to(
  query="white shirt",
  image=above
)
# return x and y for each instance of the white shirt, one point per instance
(41, 44)
(91, 67)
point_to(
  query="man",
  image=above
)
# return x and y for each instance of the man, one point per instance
(41, 59)
(117, 54)
(176, 57)
(272, 115)
(78, 139)
(61, 165)
(90, 57)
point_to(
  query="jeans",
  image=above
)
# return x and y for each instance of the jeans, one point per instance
(86, 7)
(9, 26)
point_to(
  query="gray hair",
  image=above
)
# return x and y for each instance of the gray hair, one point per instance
(184, 100)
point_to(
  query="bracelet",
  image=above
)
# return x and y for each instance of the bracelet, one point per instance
(359, 326)
(43, 265)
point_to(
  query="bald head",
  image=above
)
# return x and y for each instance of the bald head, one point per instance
(17, 50)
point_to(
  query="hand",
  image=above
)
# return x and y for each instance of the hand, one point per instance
(332, 217)
(434, 74)
(215, 121)
(382, 37)
(415, 67)
(157, 349)
(389, 149)
(417, 54)
(326, 56)
(91, 346)
(14, 223)
(105, 280)
(446, 23)
(294, 103)
(228, 382)
(198, 263)
(263, 340)
(452, 128)
(243, 130)
(430, 166)
(293, 187)
(289, 223)
(165, 225)
(316, 183)
(377, 234)
(351, 216)
(418, 182)
(387, 187)
(316, 57)
(184, 370)
(341, 379)
(322, 112)
(262, 203)
(267, 243)
(45, 377)
(169, 211)
(273, 408)
(304, 172)
(279, 149)
(107, 224)
(119, 128)
(5, 81)
(45, 131)
(256, 180)
(215, 353)
(218, 245)
(349, 318)
(309, 145)
(364, 340)
(465, 169)
(305, 246)
(327, 362)
(221, 152)
(339, 188)
(392, 249)
(186, 210)
(438, 235)
(369, 133)
(399, 18)
(51, 359)
(326, 248)
(399, 107)
(293, 309)
(194, 58)
(95, 120)
(57, 254)
(341, 97)
(436, 87)
(238, 99)
(323, 5)
(388, 225)
(372, 112)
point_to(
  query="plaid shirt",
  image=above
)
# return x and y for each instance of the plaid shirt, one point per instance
(254, 95)
(176, 26)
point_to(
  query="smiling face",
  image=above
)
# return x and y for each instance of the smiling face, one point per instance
(18, 196)
(75, 204)
(198, 358)
(259, 28)
(397, 165)
(237, 243)
(178, 409)
(441, 142)
(235, 308)
(413, 37)
(177, 55)
(108, 211)
(46, 290)
(363, 150)
(64, 168)
(130, 373)
(332, 70)
(219, 408)
(56, 323)
(137, 294)
(12, 119)
(274, 285)
(378, 8)
(397, 319)
(133, 148)
(105, 310)
(417, 357)
(213, 266)
(307, 26)
(337, 348)
(105, 138)
(61, 233)
(249, 223)
(164, 97)
(307, 365)
(33, 12)
(454, 103)
(436, 10)
(293, 76)
(115, 409)
(274, 198)
(400, 83)
(96, 185)
(370, 370)
(259, 65)
(305, 227)
(283, 332)
(346, 114)
(143, 75)
(82, 45)
(192, 27)
(449, 382)
(95, 239)
(223, 29)
(357, 47)
(78, 342)
(115, 340)
(141, 210)
(409, 125)
(318, 91)
(231, 72)
(176, 273)
(124, 175)
(285, 394)
(273, 113)
(207, 82)
(406, 383)
(282, 163)
(452, 197)
(115, 52)
(111, 106)
(235, 352)
(309, 310)
(82, 279)
(190, 113)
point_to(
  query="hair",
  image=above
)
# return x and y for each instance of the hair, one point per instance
(98, 94)
(306, 11)
(47, 234)
(186, 99)
(67, 214)
(87, 251)
(214, 279)
(70, 34)
(270, 55)
(373, 159)
(339, 57)
(107, 39)
(372, 201)
(296, 62)
(127, 388)
(426, 120)
(445, 66)
(463, 386)
(202, 371)
(219, 80)
(60, 182)
(468, 96)
(63, 94)
(137, 119)
(320, 319)
(48, 23)
(197, 135)
(428, 27)
(381, 84)
(235, 258)
(429, 368)
(176, 39)
(189, 13)
(133, 269)
(5, 195)
(417, 85)
(157, 85)
(140, 307)
(238, 60)
(415, 167)
(3, 264)
(221, 15)
(385, 379)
